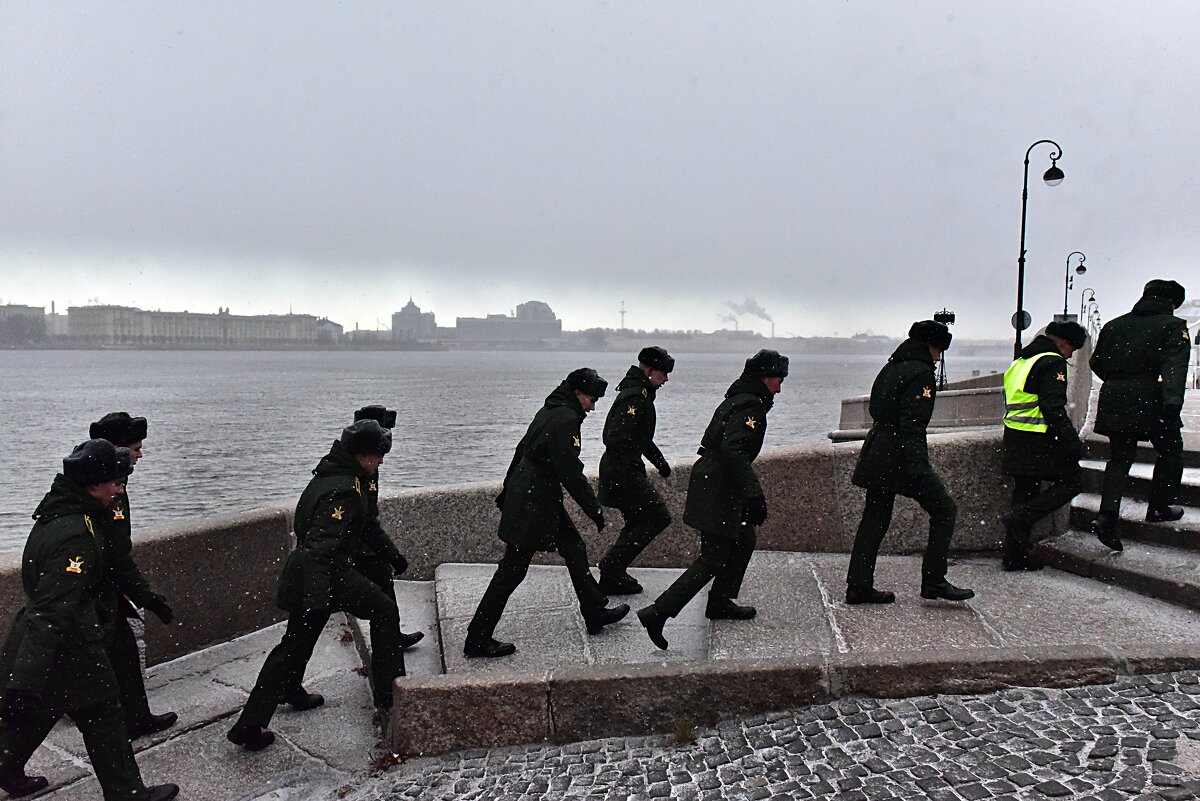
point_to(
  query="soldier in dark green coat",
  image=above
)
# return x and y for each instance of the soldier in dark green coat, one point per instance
(895, 461)
(1142, 358)
(54, 661)
(534, 519)
(1040, 441)
(319, 578)
(725, 501)
(124, 589)
(628, 437)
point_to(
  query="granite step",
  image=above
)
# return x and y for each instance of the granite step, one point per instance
(1183, 533)
(418, 612)
(1096, 447)
(1138, 485)
(1157, 571)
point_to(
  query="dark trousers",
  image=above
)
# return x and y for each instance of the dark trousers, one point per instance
(514, 566)
(104, 735)
(723, 559)
(1168, 468)
(1030, 502)
(927, 490)
(643, 522)
(382, 575)
(127, 665)
(284, 668)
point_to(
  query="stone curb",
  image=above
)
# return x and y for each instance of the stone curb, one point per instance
(1065, 556)
(454, 712)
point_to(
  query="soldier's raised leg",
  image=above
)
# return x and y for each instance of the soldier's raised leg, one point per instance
(715, 553)
(727, 584)
(1168, 474)
(643, 523)
(592, 600)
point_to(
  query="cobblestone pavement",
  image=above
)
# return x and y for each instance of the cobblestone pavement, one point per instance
(1136, 739)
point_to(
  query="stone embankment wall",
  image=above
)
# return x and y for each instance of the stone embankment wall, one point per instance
(220, 574)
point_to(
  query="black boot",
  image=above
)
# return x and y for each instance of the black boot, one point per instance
(163, 792)
(599, 619)
(487, 647)
(1104, 526)
(725, 609)
(252, 738)
(944, 590)
(153, 724)
(302, 700)
(409, 640)
(1163, 514)
(653, 620)
(18, 785)
(615, 580)
(868, 595)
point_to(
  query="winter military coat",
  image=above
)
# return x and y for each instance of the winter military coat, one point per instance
(901, 406)
(376, 542)
(123, 588)
(331, 518)
(1132, 353)
(55, 646)
(628, 436)
(1055, 452)
(546, 460)
(723, 478)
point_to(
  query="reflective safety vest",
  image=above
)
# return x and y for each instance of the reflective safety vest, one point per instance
(1022, 409)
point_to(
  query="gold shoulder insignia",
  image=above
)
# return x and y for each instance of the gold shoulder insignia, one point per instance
(87, 521)
(646, 394)
(1060, 377)
(118, 513)
(575, 441)
(751, 422)
(337, 513)
(631, 411)
(927, 393)
(372, 487)
(75, 565)
(357, 487)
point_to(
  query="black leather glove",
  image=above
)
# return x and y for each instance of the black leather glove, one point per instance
(754, 511)
(18, 706)
(598, 519)
(664, 470)
(1171, 416)
(400, 564)
(161, 609)
(500, 500)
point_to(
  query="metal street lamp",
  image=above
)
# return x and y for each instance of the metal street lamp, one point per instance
(1052, 177)
(1084, 299)
(1067, 282)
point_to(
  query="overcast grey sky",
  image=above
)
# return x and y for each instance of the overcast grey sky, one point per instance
(849, 165)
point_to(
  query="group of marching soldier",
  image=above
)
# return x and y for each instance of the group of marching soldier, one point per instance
(71, 651)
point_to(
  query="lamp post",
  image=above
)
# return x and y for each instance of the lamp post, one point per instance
(1084, 299)
(1052, 177)
(1067, 282)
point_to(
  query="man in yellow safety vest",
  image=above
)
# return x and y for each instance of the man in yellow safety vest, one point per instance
(1041, 443)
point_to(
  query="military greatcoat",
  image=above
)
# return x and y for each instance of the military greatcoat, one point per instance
(629, 436)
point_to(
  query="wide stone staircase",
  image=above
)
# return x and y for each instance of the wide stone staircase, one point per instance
(1160, 560)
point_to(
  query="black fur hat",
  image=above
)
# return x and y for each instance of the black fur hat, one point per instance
(587, 381)
(931, 333)
(380, 414)
(657, 358)
(95, 462)
(367, 437)
(1074, 333)
(119, 428)
(767, 364)
(1167, 290)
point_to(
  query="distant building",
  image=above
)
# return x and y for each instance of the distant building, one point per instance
(129, 326)
(410, 324)
(534, 324)
(22, 325)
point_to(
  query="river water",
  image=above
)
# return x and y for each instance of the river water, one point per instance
(233, 430)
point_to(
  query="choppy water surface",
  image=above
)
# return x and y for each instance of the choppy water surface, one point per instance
(230, 431)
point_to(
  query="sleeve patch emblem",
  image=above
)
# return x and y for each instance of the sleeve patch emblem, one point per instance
(631, 411)
(1060, 377)
(927, 392)
(118, 513)
(338, 513)
(75, 565)
(751, 422)
(575, 442)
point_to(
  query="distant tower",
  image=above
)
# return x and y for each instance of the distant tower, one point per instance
(622, 315)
